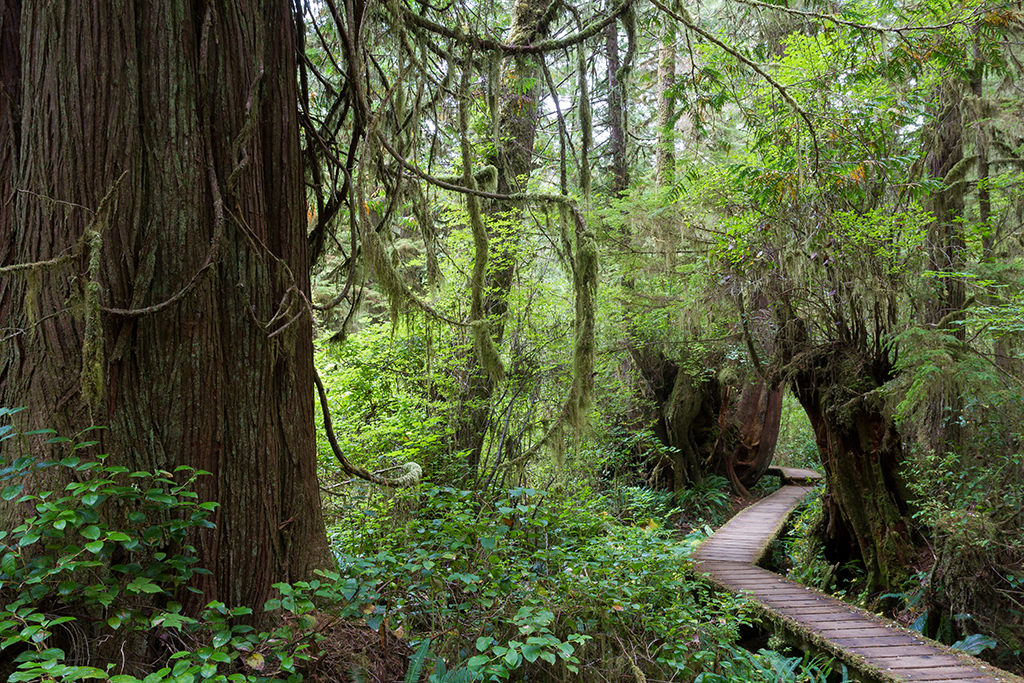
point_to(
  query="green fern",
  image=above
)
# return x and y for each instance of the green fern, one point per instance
(442, 675)
(412, 673)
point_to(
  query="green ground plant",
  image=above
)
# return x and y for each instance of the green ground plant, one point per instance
(538, 586)
(799, 554)
(70, 577)
(768, 666)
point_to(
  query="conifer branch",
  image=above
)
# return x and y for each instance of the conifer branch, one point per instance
(736, 54)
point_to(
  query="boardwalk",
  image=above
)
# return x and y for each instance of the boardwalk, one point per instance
(873, 647)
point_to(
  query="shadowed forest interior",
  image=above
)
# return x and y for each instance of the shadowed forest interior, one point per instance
(416, 341)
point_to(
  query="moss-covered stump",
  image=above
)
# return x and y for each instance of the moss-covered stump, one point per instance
(975, 588)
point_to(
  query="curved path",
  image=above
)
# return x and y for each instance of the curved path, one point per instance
(877, 649)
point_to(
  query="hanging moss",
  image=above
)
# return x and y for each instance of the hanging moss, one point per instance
(411, 475)
(486, 352)
(959, 171)
(383, 269)
(483, 344)
(486, 179)
(31, 273)
(32, 286)
(577, 402)
(92, 349)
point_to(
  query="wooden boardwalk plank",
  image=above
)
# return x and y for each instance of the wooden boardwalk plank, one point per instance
(911, 661)
(891, 640)
(794, 474)
(945, 674)
(876, 647)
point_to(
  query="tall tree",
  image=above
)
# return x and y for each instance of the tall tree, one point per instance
(616, 110)
(948, 169)
(665, 154)
(496, 260)
(154, 211)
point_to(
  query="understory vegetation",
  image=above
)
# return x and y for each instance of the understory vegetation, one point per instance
(531, 585)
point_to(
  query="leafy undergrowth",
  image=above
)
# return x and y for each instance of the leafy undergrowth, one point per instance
(434, 584)
(84, 598)
(541, 587)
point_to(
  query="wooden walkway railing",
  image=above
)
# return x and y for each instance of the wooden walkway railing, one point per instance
(874, 648)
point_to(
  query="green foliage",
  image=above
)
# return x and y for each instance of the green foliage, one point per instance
(78, 543)
(109, 556)
(402, 391)
(974, 644)
(888, 242)
(799, 552)
(947, 392)
(767, 666)
(796, 446)
(707, 501)
(639, 504)
(625, 455)
(529, 579)
(377, 389)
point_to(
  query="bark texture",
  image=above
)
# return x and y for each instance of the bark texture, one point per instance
(946, 245)
(616, 114)
(712, 427)
(861, 453)
(748, 432)
(159, 144)
(665, 159)
(10, 134)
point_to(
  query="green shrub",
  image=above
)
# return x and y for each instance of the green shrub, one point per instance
(707, 501)
(799, 552)
(69, 574)
(767, 666)
(537, 585)
(639, 504)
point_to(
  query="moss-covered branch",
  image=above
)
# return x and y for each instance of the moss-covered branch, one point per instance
(481, 44)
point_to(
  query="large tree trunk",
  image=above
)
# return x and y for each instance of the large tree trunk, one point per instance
(10, 125)
(160, 146)
(946, 245)
(861, 453)
(711, 427)
(517, 117)
(748, 431)
(616, 113)
(982, 140)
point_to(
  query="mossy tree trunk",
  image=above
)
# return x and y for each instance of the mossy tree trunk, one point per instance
(711, 427)
(517, 116)
(158, 145)
(619, 167)
(665, 159)
(946, 245)
(861, 452)
(683, 414)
